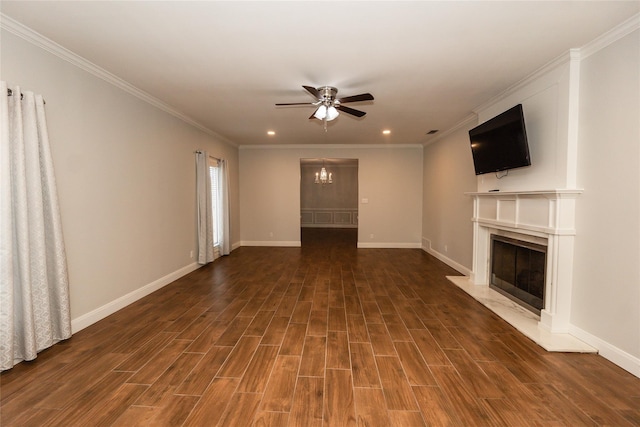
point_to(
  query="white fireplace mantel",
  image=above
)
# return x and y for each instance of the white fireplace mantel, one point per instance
(544, 217)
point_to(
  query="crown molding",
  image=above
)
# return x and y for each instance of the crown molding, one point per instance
(11, 25)
(561, 60)
(327, 146)
(471, 119)
(576, 54)
(627, 27)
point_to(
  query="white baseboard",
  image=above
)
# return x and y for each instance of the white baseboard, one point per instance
(328, 226)
(451, 263)
(626, 361)
(297, 243)
(388, 245)
(278, 243)
(100, 313)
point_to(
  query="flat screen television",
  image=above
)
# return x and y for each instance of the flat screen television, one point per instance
(500, 143)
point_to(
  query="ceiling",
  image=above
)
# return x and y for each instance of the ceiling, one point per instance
(225, 64)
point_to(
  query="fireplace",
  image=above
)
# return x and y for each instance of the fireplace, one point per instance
(540, 220)
(518, 271)
(540, 224)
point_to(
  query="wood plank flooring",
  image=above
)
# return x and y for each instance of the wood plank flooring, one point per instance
(323, 335)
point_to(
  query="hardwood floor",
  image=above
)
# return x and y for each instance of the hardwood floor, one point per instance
(323, 335)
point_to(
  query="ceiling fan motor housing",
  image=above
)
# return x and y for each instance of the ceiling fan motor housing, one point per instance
(328, 94)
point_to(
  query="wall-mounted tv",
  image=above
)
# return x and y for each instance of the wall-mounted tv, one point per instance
(500, 143)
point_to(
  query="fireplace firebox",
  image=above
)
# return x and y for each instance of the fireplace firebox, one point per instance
(518, 271)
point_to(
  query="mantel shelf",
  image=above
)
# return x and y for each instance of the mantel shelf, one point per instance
(557, 193)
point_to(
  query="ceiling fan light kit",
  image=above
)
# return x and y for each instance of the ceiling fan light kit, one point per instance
(328, 107)
(326, 113)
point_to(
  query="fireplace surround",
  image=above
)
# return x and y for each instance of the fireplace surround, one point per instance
(545, 218)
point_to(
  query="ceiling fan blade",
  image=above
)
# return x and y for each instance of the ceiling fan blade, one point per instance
(313, 116)
(351, 111)
(313, 91)
(356, 98)
(295, 103)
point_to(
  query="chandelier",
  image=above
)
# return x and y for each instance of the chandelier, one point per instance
(323, 177)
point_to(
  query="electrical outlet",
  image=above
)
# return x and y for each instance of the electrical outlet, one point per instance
(271, 234)
(371, 236)
(446, 248)
(191, 254)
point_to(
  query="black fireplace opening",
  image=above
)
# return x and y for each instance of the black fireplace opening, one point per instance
(518, 271)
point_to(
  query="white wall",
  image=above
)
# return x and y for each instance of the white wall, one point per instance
(448, 165)
(606, 293)
(390, 177)
(583, 121)
(126, 181)
(447, 229)
(545, 100)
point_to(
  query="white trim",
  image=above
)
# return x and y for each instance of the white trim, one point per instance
(578, 54)
(611, 36)
(573, 118)
(328, 225)
(451, 263)
(610, 352)
(545, 69)
(61, 52)
(390, 245)
(565, 193)
(470, 119)
(100, 313)
(279, 243)
(323, 146)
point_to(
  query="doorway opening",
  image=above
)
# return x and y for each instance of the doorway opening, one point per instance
(329, 201)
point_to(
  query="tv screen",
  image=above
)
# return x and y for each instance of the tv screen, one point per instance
(500, 143)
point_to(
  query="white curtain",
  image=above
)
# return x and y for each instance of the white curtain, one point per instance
(34, 284)
(223, 223)
(205, 218)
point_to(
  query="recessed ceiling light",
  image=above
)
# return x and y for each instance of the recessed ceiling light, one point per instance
(271, 132)
(386, 132)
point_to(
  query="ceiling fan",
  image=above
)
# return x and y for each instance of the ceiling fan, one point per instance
(328, 106)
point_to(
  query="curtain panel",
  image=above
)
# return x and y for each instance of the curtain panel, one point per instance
(205, 217)
(212, 222)
(34, 283)
(223, 226)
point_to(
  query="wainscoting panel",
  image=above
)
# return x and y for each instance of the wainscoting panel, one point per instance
(338, 218)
